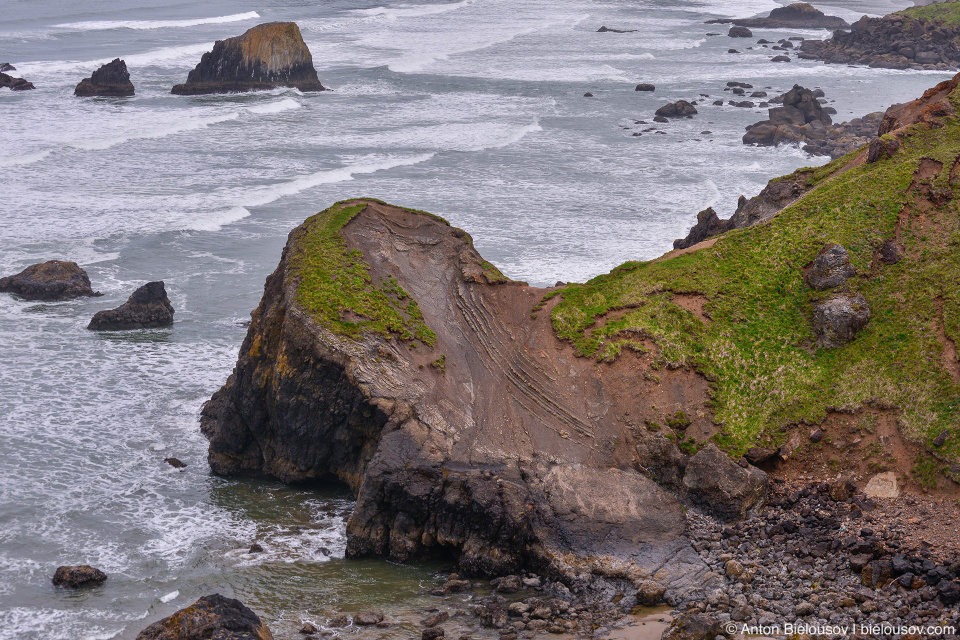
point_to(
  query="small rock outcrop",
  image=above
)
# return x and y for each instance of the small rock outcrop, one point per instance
(15, 84)
(799, 15)
(49, 281)
(76, 576)
(147, 308)
(110, 80)
(212, 617)
(265, 57)
(740, 32)
(722, 486)
(678, 109)
(881, 148)
(609, 30)
(6, 66)
(645, 86)
(838, 319)
(830, 269)
(895, 41)
(708, 225)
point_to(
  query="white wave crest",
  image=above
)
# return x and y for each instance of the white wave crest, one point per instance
(287, 104)
(105, 25)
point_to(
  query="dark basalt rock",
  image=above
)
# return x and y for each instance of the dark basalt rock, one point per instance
(780, 59)
(723, 487)
(608, 30)
(740, 32)
(49, 281)
(6, 66)
(110, 80)
(838, 319)
(643, 86)
(830, 269)
(678, 109)
(708, 225)
(147, 308)
(891, 251)
(77, 576)
(212, 617)
(265, 57)
(799, 15)
(894, 41)
(15, 84)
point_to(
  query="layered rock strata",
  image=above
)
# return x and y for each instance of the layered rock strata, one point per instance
(265, 57)
(491, 439)
(110, 80)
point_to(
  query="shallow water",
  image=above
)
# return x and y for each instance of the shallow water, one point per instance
(473, 110)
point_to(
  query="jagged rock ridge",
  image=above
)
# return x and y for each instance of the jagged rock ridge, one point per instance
(110, 80)
(265, 57)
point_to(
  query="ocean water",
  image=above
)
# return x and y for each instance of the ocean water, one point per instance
(473, 110)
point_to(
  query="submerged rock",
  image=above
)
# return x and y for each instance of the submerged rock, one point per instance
(110, 80)
(265, 57)
(678, 109)
(644, 86)
(838, 319)
(740, 32)
(147, 308)
(49, 281)
(453, 437)
(76, 576)
(212, 617)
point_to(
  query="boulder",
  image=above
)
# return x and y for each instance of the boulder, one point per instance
(147, 308)
(708, 225)
(368, 618)
(650, 593)
(838, 319)
(49, 281)
(830, 269)
(722, 486)
(15, 84)
(799, 15)
(692, 626)
(891, 251)
(265, 57)
(883, 147)
(882, 485)
(678, 109)
(76, 576)
(780, 59)
(110, 80)
(740, 32)
(212, 617)
(643, 86)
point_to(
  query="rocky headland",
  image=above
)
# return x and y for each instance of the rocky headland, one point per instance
(925, 37)
(50, 281)
(110, 80)
(265, 57)
(147, 308)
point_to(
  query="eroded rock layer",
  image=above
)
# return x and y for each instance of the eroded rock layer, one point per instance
(491, 439)
(265, 57)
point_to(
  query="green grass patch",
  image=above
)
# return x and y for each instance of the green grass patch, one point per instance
(943, 12)
(336, 289)
(757, 349)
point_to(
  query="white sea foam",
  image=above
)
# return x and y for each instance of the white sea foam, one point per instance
(168, 597)
(102, 25)
(287, 104)
(411, 11)
(185, 55)
(159, 130)
(26, 158)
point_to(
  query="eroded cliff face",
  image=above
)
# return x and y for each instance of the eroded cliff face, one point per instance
(266, 56)
(489, 438)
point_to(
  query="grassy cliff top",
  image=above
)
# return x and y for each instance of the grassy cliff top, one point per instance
(335, 286)
(944, 12)
(755, 344)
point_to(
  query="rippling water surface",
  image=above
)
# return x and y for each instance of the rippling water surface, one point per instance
(473, 110)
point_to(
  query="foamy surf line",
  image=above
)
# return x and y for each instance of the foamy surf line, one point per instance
(261, 196)
(105, 25)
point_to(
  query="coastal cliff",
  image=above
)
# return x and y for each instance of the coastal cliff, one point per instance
(265, 57)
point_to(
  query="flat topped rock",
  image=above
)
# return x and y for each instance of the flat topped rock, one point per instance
(265, 57)
(49, 281)
(110, 80)
(211, 617)
(77, 576)
(147, 308)
(799, 15)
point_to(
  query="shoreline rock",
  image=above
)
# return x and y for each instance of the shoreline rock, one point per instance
(799, 15)
(76, 576)
(267, 56)
(147, 308)
(15, 84)
(213, 616)
(53, 280)
(110, 80)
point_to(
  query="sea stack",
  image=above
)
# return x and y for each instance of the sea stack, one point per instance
(111, 80)
(49, 281)
(265, 57)
(148, 308)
